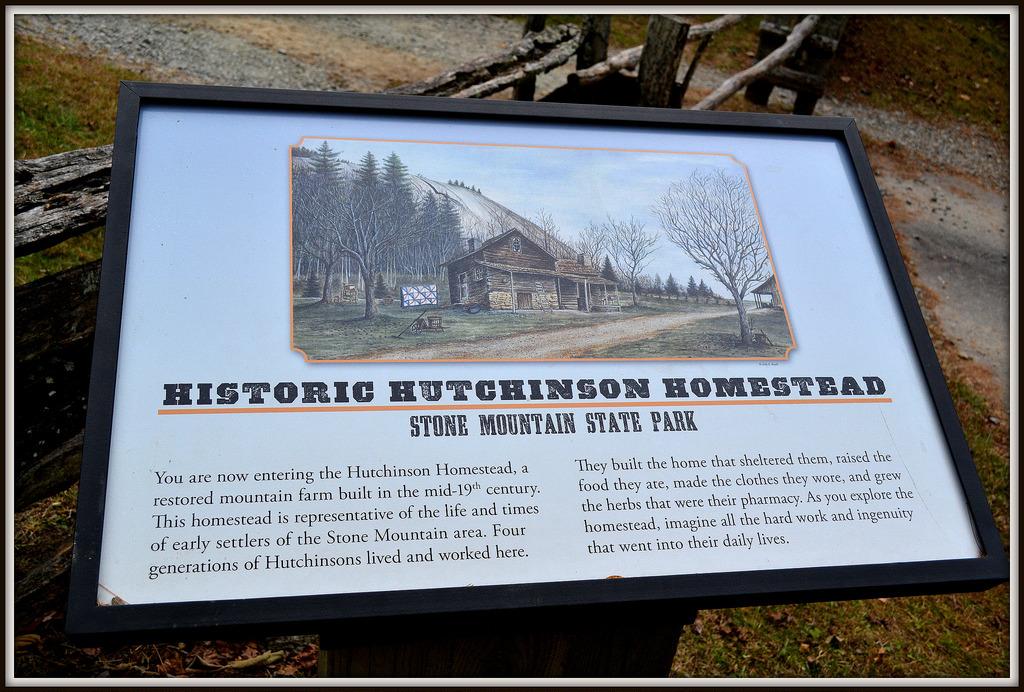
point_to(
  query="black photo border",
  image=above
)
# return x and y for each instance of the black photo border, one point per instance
(86, 620)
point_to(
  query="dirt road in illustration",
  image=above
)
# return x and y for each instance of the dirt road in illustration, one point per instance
(560, 343)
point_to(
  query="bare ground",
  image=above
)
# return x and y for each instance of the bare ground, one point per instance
(955, 232)
(557, 344)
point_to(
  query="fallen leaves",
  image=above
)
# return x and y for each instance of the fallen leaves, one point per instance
(27, 641)
(781, 618)
(292, 657)
(879, 654)
(264, 659)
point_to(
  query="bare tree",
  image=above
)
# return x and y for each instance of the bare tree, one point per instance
(316, 221)
(548, 228)
(631, 248)
(371, 216)
(592, 243)
(496, 223)
(370, 224)
(711, 217)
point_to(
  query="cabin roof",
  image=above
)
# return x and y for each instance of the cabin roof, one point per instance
(592, 278)
(767, 287)
(495, 240)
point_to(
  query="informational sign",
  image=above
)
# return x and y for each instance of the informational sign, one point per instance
(415, 296)
(673, 357)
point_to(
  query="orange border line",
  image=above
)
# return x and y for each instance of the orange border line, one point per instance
(291, 258)
(552, 404)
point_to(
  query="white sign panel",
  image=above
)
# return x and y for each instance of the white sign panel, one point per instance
(652, 352)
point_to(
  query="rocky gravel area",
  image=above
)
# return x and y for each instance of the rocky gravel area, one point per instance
(961, 147)
(162, 49)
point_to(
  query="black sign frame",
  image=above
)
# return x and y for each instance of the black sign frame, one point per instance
(86, 620)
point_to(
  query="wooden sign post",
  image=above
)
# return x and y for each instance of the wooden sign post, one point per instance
(638, 640)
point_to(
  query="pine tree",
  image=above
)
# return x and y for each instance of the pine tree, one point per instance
(607, 271)
(368, 173)
(657, 286)
(447, 217)
(671, 287)
(379, 289)
(325, 161)
(396, 174)
(703, 291)
(401, 195)
(691, 289)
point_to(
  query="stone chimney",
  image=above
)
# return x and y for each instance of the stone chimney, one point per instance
(471, 244)
(582, 259)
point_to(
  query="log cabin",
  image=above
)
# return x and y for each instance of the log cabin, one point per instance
(512, 272)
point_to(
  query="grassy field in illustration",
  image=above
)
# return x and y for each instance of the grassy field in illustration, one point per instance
(657, 329)
(713, 337)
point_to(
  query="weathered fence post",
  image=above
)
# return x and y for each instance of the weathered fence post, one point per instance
(679, 93)
(803, 71)
(525, 88)
(593, 40)
(659, 62)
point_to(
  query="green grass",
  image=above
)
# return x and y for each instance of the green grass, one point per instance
(338, 332)
(944, 69)
(988, 442)
(71, 253)
(61, 102)
(333, 332)
(716, 337)
(959, 635)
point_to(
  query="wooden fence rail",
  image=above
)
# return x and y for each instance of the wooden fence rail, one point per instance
(537, 52)
(58, 197)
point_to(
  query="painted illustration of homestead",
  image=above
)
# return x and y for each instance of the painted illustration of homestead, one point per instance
(368, 234)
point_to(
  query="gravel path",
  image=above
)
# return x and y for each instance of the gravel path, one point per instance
(558, 344)
(958, 234)
(162, 49)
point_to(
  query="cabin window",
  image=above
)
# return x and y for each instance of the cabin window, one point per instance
(517, 245)
(478, 274)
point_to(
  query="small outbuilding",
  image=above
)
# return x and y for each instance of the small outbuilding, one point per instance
(767, 294)
(512, 272)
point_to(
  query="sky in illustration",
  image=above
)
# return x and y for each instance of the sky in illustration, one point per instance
(576, 187)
